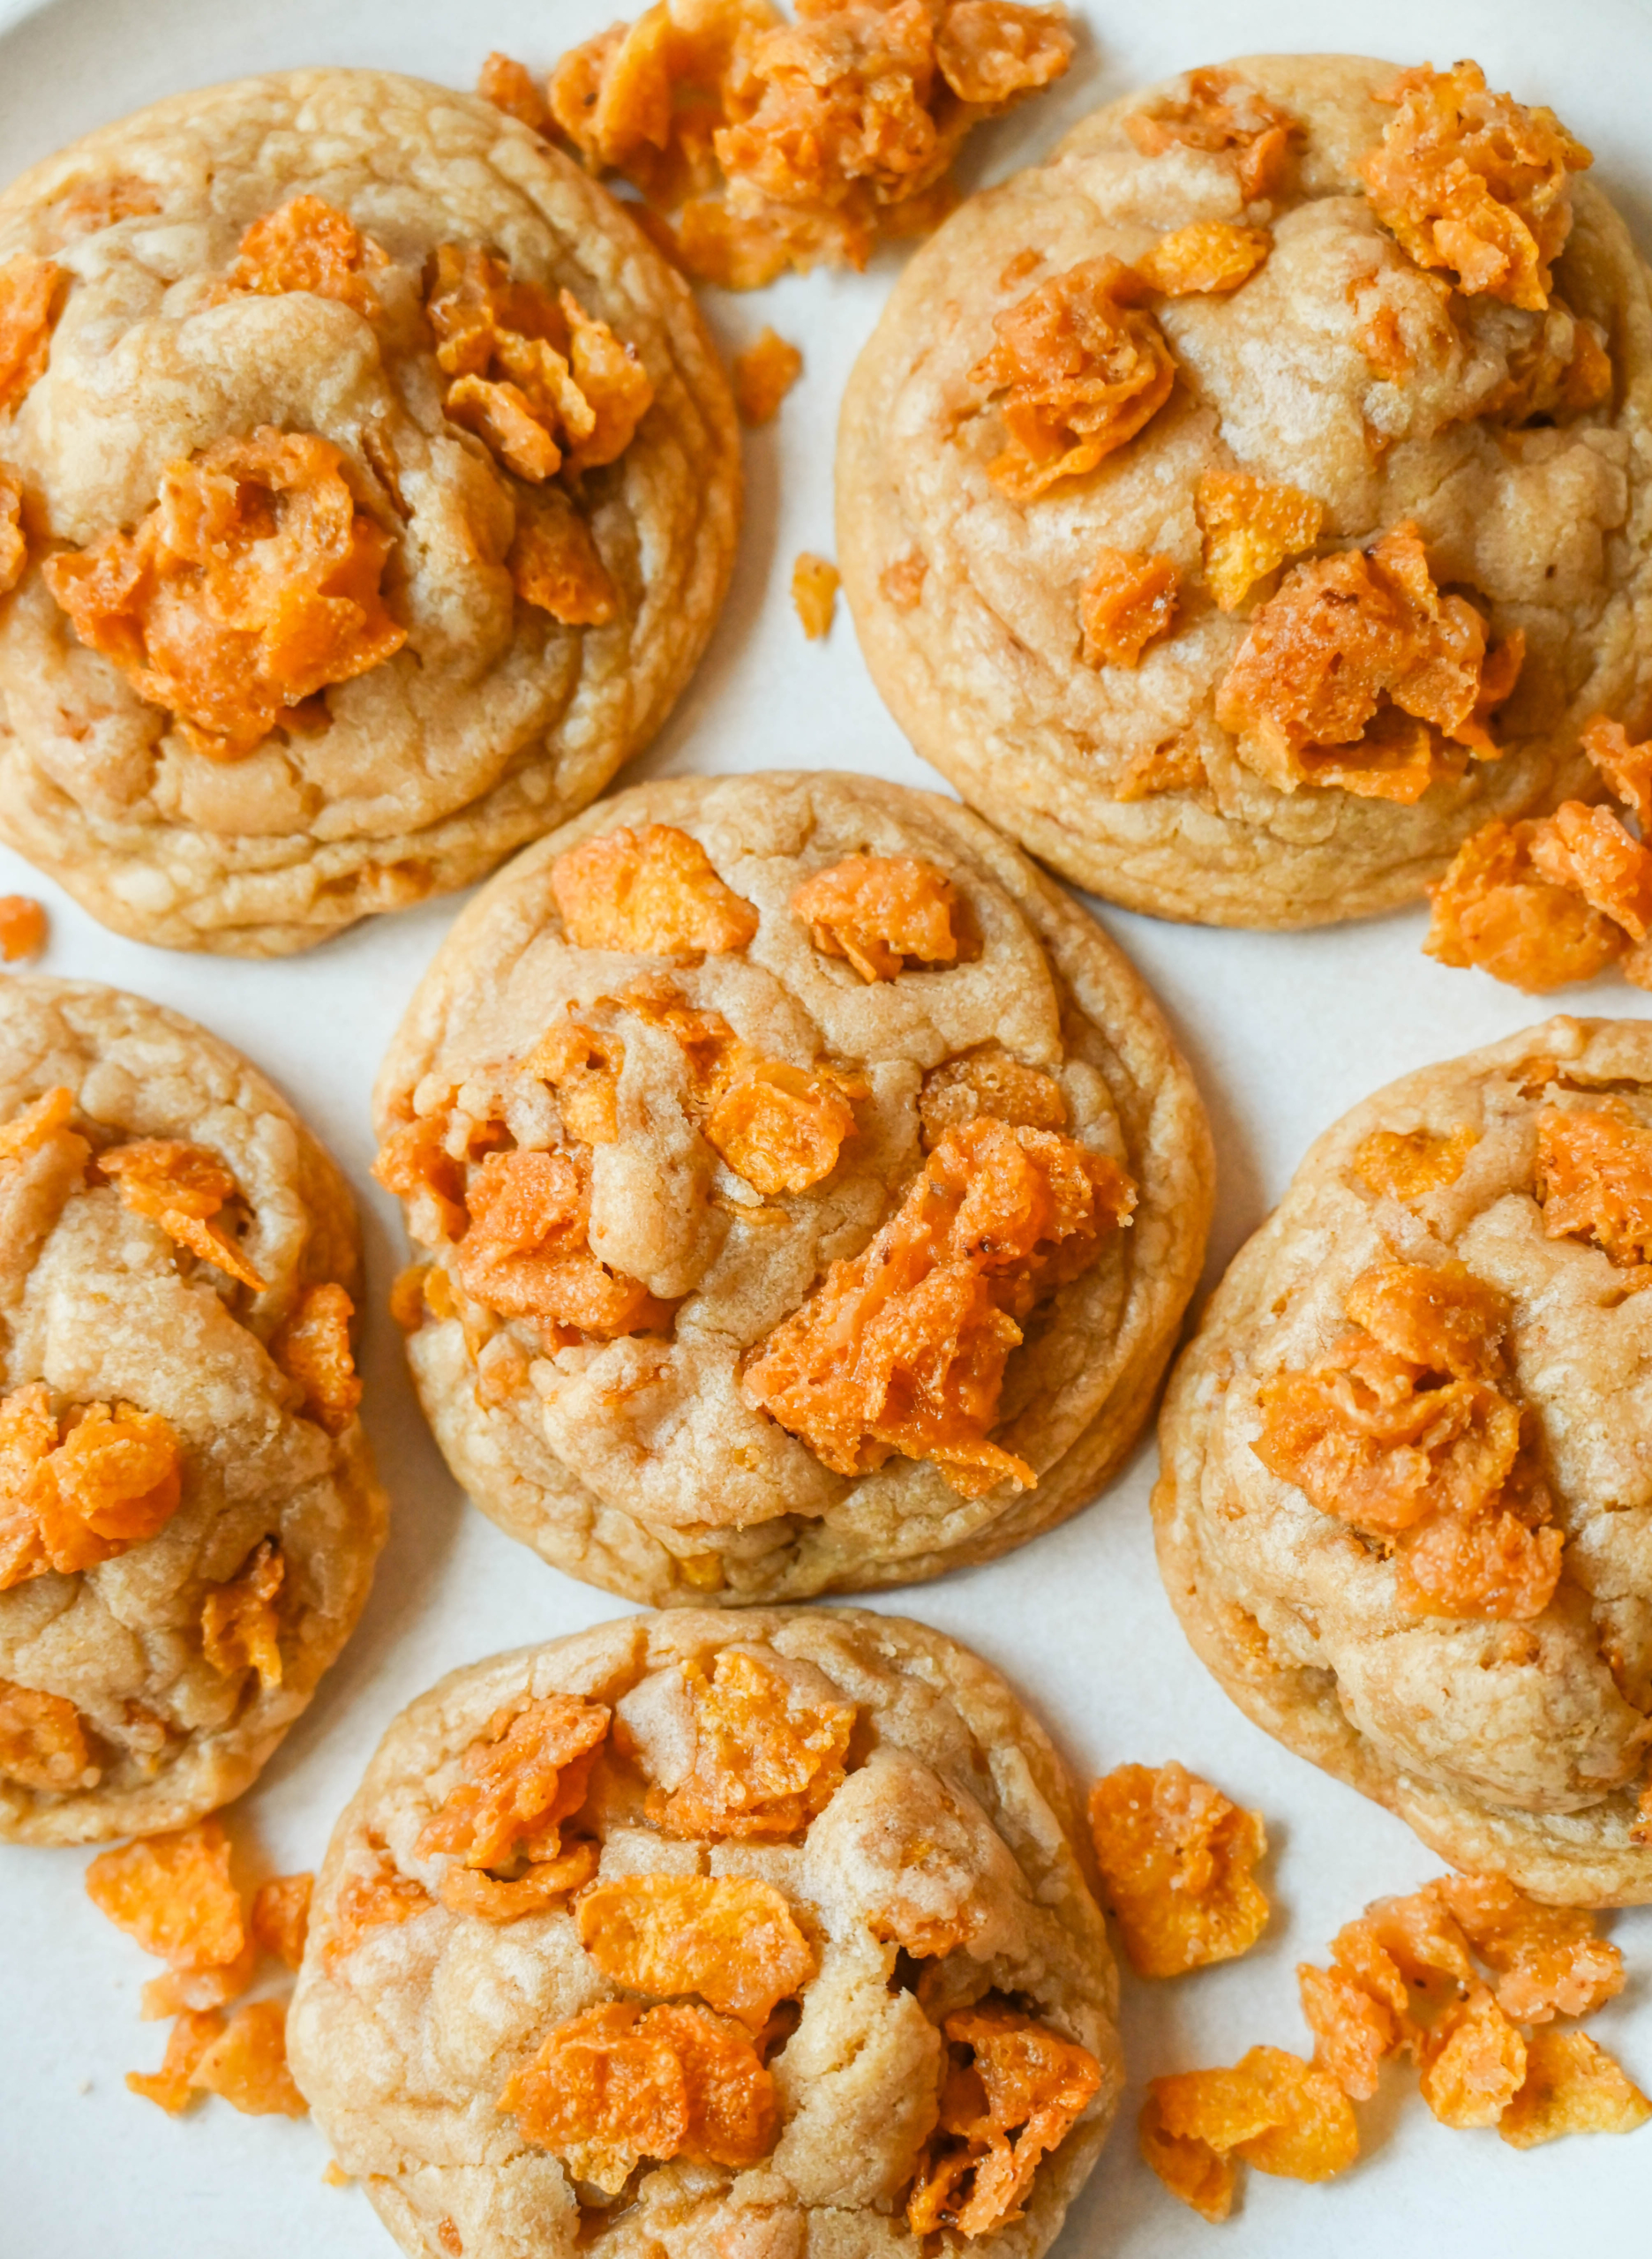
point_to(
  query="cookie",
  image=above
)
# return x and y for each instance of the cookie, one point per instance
(809, 1193)
(1405, 1494)
(694, 1935)
(1242, 508)
(368, 489)
(188, 1512)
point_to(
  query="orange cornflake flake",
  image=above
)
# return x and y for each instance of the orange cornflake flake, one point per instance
(28, 292)
(1495, 909)
(1404, 1432)
(814, 582)
(1220, 114)
(615, 2084)
(41, 1119)
(1472, 2063)
(1175, 766)
(1594, 1180)
(903, 1348)
(541, 1883)
(902, 581)
(172, 2085)
(1208, 256)
(555, 565)
(582, 1067)
(42, 1742)
(987, 1081)
(22, 927)
(1079, 368)
(79, 1490)
(1475, 182)
(728, 1938)
(880, 911)
(182, 1188)
(763, 374)
(1561, 372)
(253, 584)
(90, 205)
(1013, 2090)
(1128, 602)
(174, 1894)
(525, 1775)
(13, 540)
(525, 1253)
(240, 1628)
(313, 1348)
(247, 2064)
(1588, 851)
(535, 377)
(652, 892)
(1337, 671)
(1250, 528)
(1409, 1164)
(512, 87)
(376, 1901)
(306, 244)
(1177, 1858)
(1572, 2086)
(767, 1761)
(279, 1919)
(780, 1126)
(1625, 767)
(1271, 2110)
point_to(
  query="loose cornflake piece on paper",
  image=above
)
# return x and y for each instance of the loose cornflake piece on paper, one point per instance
(1177, 1858)
(279, 1919)
(173, 2086)
(1572, 2086)
(23, 927)
(1271, 2109)
(247, 2064)
(174, 1894)
(814, 593)
(763, 374)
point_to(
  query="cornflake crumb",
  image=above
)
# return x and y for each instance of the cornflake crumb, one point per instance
(1218, 112)
(29, 304)
(524, 1777)
(313, 1348)
(766, 1760)
(1250, 528)
(1271, 2109)
(987, 1081)
(307, 245)
(43, 1741)
(182, 1187)
(240, 1628)
(1594, 1181)
(1129, 602)
(1013, 2090)
(1572, 2086)
(763, 374)
(370, 1901)
(554, 562)
(335, 2176)
(172, 2086)
(81, 1489)
(247, 2064)
(13, 540)
(1409, 1164)
(1176, 1860)
(728, 1938)
(652, 892)
(1209, 257)
(512, 87)
(814, 593)
(279, 1919)
(173, 1894)
(903, 580)
(884, 913)
(22, 922)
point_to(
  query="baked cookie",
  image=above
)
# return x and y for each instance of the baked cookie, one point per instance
(1406, 1498)
(188, 1513)
(810, 1193)
(369, 487)
(1245, 504)
(702, 1937)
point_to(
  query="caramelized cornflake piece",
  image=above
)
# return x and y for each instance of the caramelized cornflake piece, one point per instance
(1562, 371)
(512, 87)
(882, 912)
(91, 206)
(728, 1938)
(1128, 602)
(1013, 2090)
(1250, 528)
(1220, 114)
(414, 1163)
(541, 1883)
(182, 1188)
(1473, 2062)
(1572, 2086)
(763, 374)
(902, 581)
(1177, 1858)
(252, 585)
(41, 1120)
(313, 1348)
(174, 1894)
(171, 2086)
(1626, 768)
(1495, 909)
(1409, 1164)
(1273, 2109)
(1210, 256)
(1594, 1180)
(903, 1347)
(525, 1253)
(247, 2064)
(42, 1742)
(555, 565)
(780, 1126)
(1588, 850)
(79, 1491)
(527, 1774)
(22, 927)
(1404, 1433)
(1475, 182)
(814, 582)
(767, 1761)
(614, 2085)
(1079, 368)
(652, 892)
(13, 540)
(1355, 2030)
(240, 1629)
(28, 293)
(306, 244)
(1353, 651)
(381, 1900)
(280, 1919)
(1177, 766)
(1547, 1959)
(582, 1067)
(987, 1081)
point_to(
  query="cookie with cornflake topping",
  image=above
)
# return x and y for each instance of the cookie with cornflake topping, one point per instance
(369, 488)
(696, 1933)
(1405, 1486)
(189, 1517)
(1240, 508)
(806, 1192)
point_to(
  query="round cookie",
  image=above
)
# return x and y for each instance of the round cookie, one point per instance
(803, 1865)
(1404, 1502)
(188, 1512)
(381, 575)
(757, 1269)
(1054, 638)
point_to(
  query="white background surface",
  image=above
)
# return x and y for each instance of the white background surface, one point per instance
(1284, 1032)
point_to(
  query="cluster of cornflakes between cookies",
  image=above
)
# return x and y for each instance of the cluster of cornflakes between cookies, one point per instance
(1465, 1977)
(901, 1348)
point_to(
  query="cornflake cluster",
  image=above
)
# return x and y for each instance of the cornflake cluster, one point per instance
(759, 144)
(1177, 1860)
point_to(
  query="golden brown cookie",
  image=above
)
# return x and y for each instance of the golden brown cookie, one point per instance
(1218, 536)
(1406, 1498)
(369, 488)
(188, 1513)
(808, 1192)
(695, 1934)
